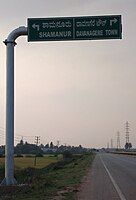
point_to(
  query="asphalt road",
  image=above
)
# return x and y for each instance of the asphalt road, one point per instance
(112, 177)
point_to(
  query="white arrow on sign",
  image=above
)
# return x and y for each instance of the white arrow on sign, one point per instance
(113, 21)
(35, 26)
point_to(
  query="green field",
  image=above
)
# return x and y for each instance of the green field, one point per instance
(28, 161)
(58, 180)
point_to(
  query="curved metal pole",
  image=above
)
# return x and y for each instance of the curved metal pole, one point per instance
(9, 148)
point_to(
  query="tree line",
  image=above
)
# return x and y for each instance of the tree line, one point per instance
(49, 148)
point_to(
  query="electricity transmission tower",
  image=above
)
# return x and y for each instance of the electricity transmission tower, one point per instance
(118, 140)
(107, 145)
(111, 143)
(127, 132)
(128, 144)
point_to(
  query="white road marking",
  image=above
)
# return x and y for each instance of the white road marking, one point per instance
(122, 197)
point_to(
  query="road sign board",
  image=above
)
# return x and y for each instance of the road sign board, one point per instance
(75, 28)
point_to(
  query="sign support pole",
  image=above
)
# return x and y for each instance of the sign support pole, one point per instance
(52, 29)
(9, 148)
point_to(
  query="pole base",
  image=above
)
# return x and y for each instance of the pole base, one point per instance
(7, 182)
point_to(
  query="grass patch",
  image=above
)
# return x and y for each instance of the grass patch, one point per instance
(58, 179)
(28, 161)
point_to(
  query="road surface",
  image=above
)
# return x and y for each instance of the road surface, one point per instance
(112, 177)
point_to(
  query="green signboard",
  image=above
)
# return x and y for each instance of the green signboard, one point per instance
(75, 28)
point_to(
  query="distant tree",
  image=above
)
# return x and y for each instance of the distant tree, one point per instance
(27, 148)
(21, 142)
(2, 150)
(47, 146)
(129, 145)
(41, 146)
(51, 145)
(126, 145)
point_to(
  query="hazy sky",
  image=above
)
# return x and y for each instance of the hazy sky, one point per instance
(77, 92)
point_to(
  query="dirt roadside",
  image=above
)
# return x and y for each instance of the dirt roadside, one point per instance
(84, 189)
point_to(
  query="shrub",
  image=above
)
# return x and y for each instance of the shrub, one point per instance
(18, 155)
(67, 154)
(39, 155)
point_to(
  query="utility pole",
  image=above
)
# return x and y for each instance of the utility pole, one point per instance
(118, 140)
(37, 140)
